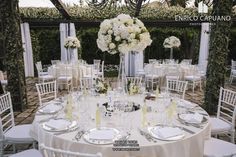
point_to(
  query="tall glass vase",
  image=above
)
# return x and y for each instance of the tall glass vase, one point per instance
(171, 53)
(121, 76)
(69, 55)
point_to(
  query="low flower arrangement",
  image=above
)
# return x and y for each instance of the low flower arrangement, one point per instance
(132, 88)
(172, 42)
(72, 42)
(101, 87)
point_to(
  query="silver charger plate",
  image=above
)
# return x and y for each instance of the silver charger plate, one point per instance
(71, 124)
(180, 116)
(98, 141)
(58, 108)
(173, 138)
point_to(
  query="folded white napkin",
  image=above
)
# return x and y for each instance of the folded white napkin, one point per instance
(102, 135)
(167, 132)
(58, 124)
(50, 108)
(192, 118)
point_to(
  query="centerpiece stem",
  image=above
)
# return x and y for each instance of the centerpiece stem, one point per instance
(171, 53)
(121, 74)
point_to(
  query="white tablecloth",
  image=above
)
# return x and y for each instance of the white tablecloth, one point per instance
(190, 146)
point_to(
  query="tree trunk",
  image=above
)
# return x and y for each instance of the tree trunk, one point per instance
(10, 18)
(216, 69)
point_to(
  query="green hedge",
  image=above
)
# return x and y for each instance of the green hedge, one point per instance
(46, 44)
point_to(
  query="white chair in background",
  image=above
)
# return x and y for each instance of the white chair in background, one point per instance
(151, 61)
(176, 86)
(219, 148)
(194, 78)
(233, 71)
(9, 132)
(54, 62)
(134, 80)
(46, 91)
(65, 77)
(186, 62)
(86, 84)
(151, 76)
(224, 123)
(172, 73)
(43, 75)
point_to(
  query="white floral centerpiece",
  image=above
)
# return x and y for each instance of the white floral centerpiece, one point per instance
(72, 42)
(122, 35)
(171, 42)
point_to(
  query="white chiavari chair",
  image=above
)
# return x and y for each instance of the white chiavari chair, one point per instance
(134, 80)
(101, 71)
(194, 78)
(53, 152)
(65, 76)
(3, 81)
(9, 132)
(172, 73)
(86, 84)
(218, 148)
(42, 75)
(177, 86)
(46, 91)
(151, 75)
(224, 122)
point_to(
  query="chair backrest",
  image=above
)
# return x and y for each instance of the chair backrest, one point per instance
(39, 65)
(46, 91)
(6, 113)
(172, 71)
(55, 62)
(53, 152)
(186, 61)
(151, 61)
(227, 106)
(65, 70)
(177, 86)
(134, 80)
(86, 83)
(102, 67)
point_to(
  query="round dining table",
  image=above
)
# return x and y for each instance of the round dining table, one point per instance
(138, 141)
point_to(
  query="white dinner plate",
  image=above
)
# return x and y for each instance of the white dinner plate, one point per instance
(153, 132)
(51, 108)
(181, 118)
(67, 125)
(102, 135)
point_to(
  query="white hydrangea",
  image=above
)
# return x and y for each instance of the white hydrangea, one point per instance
(123, 34)
(172, 42)
(72, 42)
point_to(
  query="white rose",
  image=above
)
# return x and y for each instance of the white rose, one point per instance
(110, 32)
(132, 35)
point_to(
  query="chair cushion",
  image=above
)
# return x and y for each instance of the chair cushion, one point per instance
(28, 153)
(64, 78)
(46, 77)
(218, 125)
(192, 78)
(218, 148)
(172, 77)
(19, 133)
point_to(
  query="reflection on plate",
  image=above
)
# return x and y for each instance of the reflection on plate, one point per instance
(50, 108)
(59, 125)
(166, 133)
(102, 135)
(182, 118)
